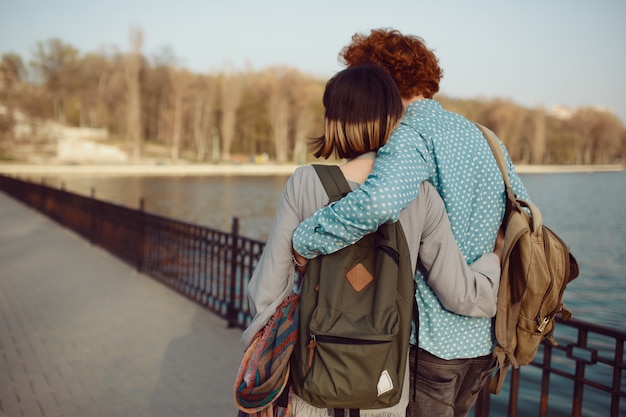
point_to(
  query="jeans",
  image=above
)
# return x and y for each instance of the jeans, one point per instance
(445, 388)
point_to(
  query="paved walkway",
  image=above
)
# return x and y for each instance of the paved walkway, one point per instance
(83, 334)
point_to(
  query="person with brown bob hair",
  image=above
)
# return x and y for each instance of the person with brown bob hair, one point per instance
(362, 108)
(357, 120)
(452, 351)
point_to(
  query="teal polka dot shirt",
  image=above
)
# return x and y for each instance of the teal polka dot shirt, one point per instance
(431, 144)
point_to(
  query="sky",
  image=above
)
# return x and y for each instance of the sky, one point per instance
(543, 53)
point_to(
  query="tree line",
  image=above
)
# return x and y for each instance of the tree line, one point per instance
(234, 115)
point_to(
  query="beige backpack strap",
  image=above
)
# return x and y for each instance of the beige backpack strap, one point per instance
(497, 381)
(506, 316)
(504, 360)
(497, 151)
(494, 143)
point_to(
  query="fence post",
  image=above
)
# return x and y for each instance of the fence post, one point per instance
(43, 195)
(481, 408)
(231, 313)
(92, 203)
(514, 391)
(142, 233)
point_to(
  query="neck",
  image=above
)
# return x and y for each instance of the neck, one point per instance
(359, 168)
(407, 101)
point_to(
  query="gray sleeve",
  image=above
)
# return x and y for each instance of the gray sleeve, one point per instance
(467, 290)
(273, 276)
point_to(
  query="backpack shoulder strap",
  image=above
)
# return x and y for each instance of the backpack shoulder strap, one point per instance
(497, 151)
(334, 182)
(494, 143)
(503, 355)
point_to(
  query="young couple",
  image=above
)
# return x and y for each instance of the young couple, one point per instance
(410, 160)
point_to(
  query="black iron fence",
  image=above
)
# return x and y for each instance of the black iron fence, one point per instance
(211, 267)
(585, 373)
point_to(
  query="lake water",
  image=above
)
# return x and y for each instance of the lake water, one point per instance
(585, 209)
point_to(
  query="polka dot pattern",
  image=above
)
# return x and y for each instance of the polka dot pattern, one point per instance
(435, 145)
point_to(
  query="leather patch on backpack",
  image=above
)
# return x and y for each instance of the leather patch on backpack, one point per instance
(359, 277)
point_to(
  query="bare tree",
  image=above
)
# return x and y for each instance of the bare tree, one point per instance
(304, 124)
(586, 122)
(538, 142)
(562, 142)
(156, 104)
(11, 72)
(292, 104)
(278, 111)
(308, 114)
(112, 90)
(178, 99)
(203, 115)
(622, 147)
(231, 86)
(507, 120)
(89, 80)
(603, 140)
(108, 88)
(52, 62)
(178, 124)
(132, 70)
(215, 144)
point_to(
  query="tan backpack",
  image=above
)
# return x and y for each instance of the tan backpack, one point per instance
(536, 267)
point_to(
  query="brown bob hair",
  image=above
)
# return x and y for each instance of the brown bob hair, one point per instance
(413, 66)
(362, 106)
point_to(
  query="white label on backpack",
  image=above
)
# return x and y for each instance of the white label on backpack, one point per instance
(385, 383)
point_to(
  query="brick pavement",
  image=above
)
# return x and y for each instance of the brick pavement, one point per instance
(83, 334)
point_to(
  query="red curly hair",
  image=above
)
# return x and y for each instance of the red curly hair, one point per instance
(413, 67)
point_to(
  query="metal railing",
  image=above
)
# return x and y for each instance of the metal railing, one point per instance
(585, 373)
(587, 356)
(209, 266)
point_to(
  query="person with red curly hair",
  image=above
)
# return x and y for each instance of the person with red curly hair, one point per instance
(452, 352)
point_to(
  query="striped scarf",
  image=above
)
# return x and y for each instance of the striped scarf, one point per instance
(264, 369)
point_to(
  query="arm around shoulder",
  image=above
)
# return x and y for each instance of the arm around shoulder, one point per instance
(466, 290)
(400, 167)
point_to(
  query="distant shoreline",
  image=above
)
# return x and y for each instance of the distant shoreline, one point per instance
(233, 169)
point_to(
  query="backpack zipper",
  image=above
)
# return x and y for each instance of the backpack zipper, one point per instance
(542, 323)
(311, 346)
(336, 339)
(345, 340)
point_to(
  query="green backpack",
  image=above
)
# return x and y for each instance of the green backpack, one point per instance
(356, 308)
